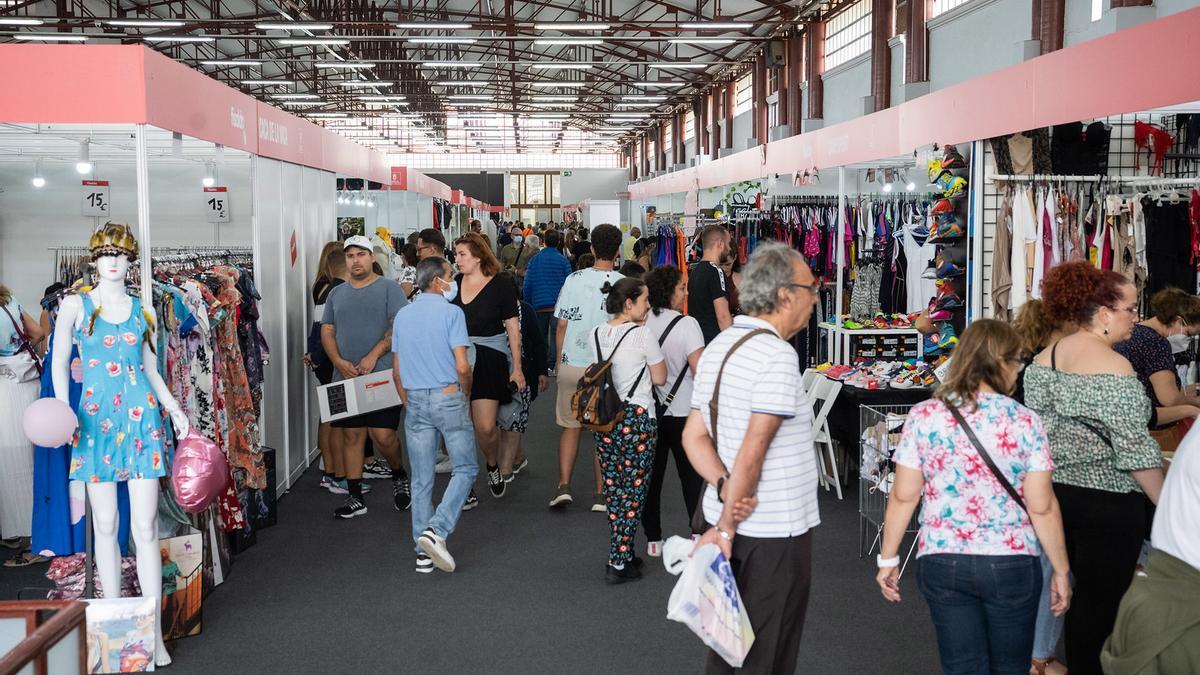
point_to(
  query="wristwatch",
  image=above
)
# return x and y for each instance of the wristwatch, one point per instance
(881, 561)
(723, 534)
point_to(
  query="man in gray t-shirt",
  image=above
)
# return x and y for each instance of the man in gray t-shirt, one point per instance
(356, 332)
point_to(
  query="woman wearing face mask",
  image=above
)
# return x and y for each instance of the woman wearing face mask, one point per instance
(1151, 348)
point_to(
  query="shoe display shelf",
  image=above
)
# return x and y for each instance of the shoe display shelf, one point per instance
(896, 344)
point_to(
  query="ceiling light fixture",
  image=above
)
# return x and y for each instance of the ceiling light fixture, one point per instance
(685, 65)
(84, 165)
(568, 41)
(293, 25)
(638, 104)
(635, 97)
(365, 83)
(20, 21)
(476, 104)
(234, 64)
(440, 41)
(553, 85)
(347, 65)
(314, 41)
(179, 38)
(451, 64)
(432, 25)
(379, 99)
(51, 37)
(571, 26)
(701, 41)
(145, 23)
(38, 181)
(328, 115)
(714, 25)
(561, 66)
(567, 99)
(268, 83)
(210, 178)
(295, 97)
(469, 97)
(463, 83)
(300, 104)
(647, 84)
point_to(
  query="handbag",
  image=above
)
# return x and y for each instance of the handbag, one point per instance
(24, 365)
(987, 459)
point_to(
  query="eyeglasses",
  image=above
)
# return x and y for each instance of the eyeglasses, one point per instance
(813, 288)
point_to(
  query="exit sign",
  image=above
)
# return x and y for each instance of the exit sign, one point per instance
(566, 173)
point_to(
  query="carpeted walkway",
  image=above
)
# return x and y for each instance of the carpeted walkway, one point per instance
(316, 595)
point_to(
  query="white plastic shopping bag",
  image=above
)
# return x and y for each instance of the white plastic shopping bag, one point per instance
(706, 599)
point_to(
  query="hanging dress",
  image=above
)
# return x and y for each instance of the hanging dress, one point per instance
(120, 435)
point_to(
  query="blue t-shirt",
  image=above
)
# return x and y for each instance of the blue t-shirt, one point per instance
(10, 337)
(424, 336)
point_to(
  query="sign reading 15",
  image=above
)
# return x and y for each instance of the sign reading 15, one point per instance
(216, 204)
(94, 198)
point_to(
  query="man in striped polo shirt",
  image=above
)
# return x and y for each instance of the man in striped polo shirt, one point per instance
(764, 448)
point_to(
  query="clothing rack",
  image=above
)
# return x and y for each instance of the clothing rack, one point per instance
(1123, 180)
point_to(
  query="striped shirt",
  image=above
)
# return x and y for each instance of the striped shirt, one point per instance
(762, 376)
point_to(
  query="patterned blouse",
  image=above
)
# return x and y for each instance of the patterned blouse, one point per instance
(1075, 407)
(965, 508)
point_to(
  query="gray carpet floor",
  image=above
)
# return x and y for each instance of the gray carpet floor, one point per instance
(317, 595)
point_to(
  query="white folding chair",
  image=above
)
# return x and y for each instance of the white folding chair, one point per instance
(809, 377)
(823, 394)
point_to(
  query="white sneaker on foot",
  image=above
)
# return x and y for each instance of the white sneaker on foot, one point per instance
(435, 546)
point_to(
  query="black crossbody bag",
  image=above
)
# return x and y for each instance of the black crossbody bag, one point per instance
(987, 459)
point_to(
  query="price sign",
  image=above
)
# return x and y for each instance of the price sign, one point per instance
(216, 204)
(94, 198)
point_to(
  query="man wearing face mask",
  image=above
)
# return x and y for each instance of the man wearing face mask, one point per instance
(708, 290)
(1174, 315)
(516, 255)
(433, 378)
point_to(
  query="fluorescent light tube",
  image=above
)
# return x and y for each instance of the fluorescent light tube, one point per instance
(567, 41)
(701, 41)
(295, 97)
(268, 83)
(714, 25)
(347, 65)
(179, 38)
(440, 41)
(145, 23)
(231, 63)
(684, 65)
(469, 97)
(365, 83)
(649, 83)
(313, 41)
(561, 66)
(564, 85)
(432, 25)
(51, 37)
(571, 26)
(293, 25)
(21, 21)
(451, 64)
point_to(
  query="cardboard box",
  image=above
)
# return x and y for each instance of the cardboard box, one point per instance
(363, 394)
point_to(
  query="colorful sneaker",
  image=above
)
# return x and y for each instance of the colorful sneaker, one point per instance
(942, 206)
(930, 271)
(953, 159)
(851, 324)
(341, 488)
(901, 321)
(352, 508)
(940, 315)
(949, 271)
(376, 470)
(880, 322)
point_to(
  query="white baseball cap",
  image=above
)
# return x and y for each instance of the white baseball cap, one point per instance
(359, 241)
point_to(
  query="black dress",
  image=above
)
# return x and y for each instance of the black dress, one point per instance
(486, 314)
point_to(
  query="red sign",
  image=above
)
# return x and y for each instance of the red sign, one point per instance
(293, 248)
(95, 183)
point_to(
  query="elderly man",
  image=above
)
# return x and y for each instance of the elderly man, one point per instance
(763, 446)
(516, 255)
(433, 377)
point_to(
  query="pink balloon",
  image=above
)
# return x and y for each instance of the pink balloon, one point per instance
(49, 422)
(199, 473)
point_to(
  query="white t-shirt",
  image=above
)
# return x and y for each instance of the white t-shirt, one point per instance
(919, 290)
(581, 304)
(762, 376)
(685, 338)
(1175, 530)
(637, 351)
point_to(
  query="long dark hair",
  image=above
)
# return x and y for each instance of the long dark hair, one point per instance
(662, 281)
(628, 288)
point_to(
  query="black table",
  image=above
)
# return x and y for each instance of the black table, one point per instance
(844, 416)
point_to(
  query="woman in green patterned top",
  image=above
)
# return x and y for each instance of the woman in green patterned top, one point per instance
(1106, 464)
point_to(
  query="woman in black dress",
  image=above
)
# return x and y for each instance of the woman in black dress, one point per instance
(490, 304)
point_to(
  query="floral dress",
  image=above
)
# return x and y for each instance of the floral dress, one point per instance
(120, 435)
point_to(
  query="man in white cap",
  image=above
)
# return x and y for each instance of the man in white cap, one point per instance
(356, 332)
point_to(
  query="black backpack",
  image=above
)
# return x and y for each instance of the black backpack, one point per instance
(596, 403)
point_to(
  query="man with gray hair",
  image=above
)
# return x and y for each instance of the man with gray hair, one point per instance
(759, 442)
(433, 377)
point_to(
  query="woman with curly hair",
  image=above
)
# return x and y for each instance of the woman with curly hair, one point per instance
(1096, 415)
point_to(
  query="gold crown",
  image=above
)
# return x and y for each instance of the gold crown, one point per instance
(114, 239)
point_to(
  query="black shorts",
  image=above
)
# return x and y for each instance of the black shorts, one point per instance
(388, 418)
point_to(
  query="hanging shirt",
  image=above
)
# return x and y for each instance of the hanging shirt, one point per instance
(1022, 230)
(918, 252)
(1039, 246)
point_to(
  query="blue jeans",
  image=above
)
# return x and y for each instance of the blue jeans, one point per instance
(430, 413)
(1049, 627)
(983, 608)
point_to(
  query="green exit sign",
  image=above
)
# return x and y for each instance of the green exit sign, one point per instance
(566, 174)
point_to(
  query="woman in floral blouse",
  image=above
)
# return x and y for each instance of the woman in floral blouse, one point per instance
(981, 533)
(1106, 464)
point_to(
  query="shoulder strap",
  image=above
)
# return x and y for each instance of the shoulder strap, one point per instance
(25, 344)
(987, 459)
(716, 397)
(1053, 357)
(1085, 423)
(662, 339)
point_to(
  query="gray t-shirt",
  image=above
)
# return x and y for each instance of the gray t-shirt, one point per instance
(362, 316)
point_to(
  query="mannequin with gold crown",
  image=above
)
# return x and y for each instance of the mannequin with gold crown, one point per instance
(120, 436)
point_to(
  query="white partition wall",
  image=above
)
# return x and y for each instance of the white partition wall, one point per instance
(293, 211)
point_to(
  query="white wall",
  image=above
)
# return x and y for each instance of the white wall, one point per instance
(592, 184)
(743, 129)
(845, 87)
(32, 220)
(897, 75)
(400, 211)
(980, 37)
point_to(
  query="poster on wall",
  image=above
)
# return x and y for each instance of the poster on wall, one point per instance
(350, 226)
(182, 572)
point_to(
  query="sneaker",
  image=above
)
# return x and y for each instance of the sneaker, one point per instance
(444, 465)
(351, 509)
(472, 501)
(943, 205)
(339, 487)
(654, 548)
(435, 546)
(496, 482)
(619, 576)
(520, 466)
(402, 494)
(953, 159)
(326, 483)
(376, 470)
(930, 271)
(424, 563)
(598, 505)
(562, 497)
(948, 271)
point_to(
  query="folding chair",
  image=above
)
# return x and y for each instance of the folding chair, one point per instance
(823, 394)
(809, 378)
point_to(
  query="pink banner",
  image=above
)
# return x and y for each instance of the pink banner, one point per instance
(181, 99)
(72, 84)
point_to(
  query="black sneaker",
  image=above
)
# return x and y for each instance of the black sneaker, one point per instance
(496, 482)
(402, 493)
(472, 501)
(424, 563)
(562, 497)
(377, 469)
(619, 576)
(352, 508)
(518, 468)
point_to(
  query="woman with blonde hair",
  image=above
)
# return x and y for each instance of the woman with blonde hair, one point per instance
(331, 271)
(490, 304)
(20, 373)
(981, 463)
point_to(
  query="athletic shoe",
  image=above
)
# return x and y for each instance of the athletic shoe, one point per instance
(517, 469)
(472, 501)
(496, 482)
(444, 465)
(850, 324)
(598, 505)
(424, 563)
(509, 478)
(619, 576)
(930, 271)
(351, 509)
(949, 271)
(954, 187)
(654, 548)
(562, 497)
(376, 470)
(402, 494)
(435, 546)
(953, 159)
(339, 487)
(943, 205)
(637, 562)
(327, 483)
(940, 315)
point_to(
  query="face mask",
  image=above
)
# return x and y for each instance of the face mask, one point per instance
(451, 292)
(1179, 343)
(518, 240)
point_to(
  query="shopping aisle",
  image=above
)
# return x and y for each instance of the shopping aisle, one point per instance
(317, 595)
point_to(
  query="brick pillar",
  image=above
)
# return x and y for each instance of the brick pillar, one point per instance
(916, 43)
(881, 55)
(730, 94)
(1049, 23)
(814, 42)
(760, 98)
(714, 137)
(699, 122)
(795, 76)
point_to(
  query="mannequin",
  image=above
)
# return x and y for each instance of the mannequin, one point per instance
(120, 434)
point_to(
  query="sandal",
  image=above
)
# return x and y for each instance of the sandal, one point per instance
(25, 559)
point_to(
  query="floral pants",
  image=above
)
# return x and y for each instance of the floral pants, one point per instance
(626, 461)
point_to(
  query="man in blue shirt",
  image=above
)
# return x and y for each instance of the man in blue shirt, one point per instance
(544, 278)
(433, 377)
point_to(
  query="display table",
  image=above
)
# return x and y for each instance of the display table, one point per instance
(838, 339)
